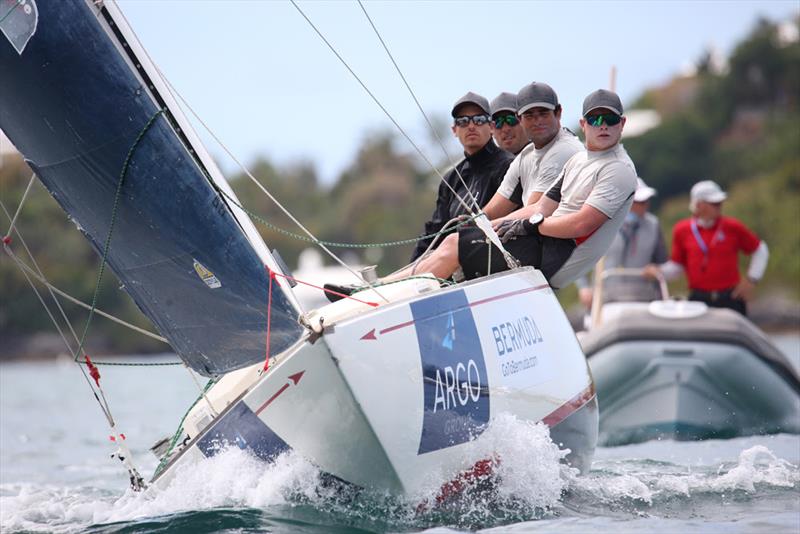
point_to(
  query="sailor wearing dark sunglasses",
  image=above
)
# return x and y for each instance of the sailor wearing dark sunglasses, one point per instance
(507, 131)
(482, 168)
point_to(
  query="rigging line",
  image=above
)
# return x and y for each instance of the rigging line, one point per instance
(202, 392)
(38, 274)
(15, 6)
(41, 278)
(385, 111)
(114, 207)
(103, 404)
(21, 204)
(299, 237)
(419, 106)
(261, 187)
(44, 304)
(98, 311)
(103, 408)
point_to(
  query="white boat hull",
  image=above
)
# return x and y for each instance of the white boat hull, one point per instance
(387, 399)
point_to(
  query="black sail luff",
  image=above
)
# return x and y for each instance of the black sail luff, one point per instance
(74, 105)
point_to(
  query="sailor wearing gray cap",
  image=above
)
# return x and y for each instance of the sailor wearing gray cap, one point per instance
(506, 129)
(537, 167)
(537, 95)
(470, 98)
(478, 175)
(603, 98)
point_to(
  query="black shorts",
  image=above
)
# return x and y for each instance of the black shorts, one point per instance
(548, 254)
(719, 299)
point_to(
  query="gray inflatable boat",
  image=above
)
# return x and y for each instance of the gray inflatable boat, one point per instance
(680, 370)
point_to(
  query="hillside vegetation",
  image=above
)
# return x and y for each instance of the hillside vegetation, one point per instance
(739, 126)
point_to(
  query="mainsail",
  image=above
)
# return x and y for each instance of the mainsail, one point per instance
(79, 100)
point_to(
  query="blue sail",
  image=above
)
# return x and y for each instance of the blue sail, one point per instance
(79, 98)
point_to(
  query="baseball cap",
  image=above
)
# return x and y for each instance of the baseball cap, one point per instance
(707, 191)
(643, 191)
(602, 98)
(536, 95)
(471, 98)
(504, 102)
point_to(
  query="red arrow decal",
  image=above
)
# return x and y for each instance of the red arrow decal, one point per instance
(295, 378)
(370, 335)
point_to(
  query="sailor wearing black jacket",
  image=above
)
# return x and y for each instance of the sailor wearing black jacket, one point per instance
(482, 168)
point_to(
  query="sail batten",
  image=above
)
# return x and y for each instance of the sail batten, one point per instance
(186, 259)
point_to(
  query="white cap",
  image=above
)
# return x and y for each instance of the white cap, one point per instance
(643, 191)
(707, 191)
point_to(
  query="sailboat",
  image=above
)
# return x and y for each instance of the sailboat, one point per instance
(378, 392)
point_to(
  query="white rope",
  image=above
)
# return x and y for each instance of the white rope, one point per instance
(262, 188)
(202, 392)
(421, 110)
(386, 112)
(96, 310)
(21, 203)
(26, 269)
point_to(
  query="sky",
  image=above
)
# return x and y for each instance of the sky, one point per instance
(267, 85)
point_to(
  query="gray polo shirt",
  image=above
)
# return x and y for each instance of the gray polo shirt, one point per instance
(537, 169)
(638, 243)
(606, 181)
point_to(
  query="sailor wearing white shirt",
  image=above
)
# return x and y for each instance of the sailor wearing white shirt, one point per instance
(539, 164)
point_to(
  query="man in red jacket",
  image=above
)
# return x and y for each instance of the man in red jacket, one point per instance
(706, 246)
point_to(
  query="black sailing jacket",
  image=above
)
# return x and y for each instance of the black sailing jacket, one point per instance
(483, 172)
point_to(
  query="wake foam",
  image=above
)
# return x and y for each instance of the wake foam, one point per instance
(648, 482)
(528, 480)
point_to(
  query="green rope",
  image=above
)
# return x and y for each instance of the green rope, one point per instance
(107, 244)
(15, 6)
(346, 245)
(137, 364)
(179, 431)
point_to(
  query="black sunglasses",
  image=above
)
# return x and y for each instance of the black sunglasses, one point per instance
(511, 120)
(611, 119)
(478, 120)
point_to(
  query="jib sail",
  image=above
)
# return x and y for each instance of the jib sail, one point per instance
(81, 98)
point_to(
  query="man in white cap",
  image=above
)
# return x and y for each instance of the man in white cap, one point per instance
(475, 178)
(706, 247)
(638, 243)
(506, 128)
(569, 228)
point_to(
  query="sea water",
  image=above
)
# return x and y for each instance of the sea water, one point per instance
(56, 474)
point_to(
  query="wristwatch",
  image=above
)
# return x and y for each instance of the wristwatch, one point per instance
(536, 218)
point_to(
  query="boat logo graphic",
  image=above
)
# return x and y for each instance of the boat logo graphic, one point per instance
(206, 275)
(450, 337)
(454, 377)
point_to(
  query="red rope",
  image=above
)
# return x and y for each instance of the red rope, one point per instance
(272, 275)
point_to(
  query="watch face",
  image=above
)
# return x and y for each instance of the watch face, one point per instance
(536, 218)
